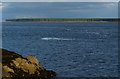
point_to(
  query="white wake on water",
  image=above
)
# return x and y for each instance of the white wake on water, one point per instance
(54, 38)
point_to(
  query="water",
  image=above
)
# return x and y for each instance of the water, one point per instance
(70, 49)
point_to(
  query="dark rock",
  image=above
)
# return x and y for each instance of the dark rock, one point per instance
(15, 66)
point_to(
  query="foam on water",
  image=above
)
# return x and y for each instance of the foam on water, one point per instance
(54, 38)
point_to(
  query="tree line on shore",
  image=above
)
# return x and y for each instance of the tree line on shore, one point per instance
(62, 19)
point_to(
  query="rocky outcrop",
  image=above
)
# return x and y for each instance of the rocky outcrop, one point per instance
(15, 66)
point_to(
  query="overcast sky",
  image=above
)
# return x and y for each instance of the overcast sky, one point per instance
(59, 10)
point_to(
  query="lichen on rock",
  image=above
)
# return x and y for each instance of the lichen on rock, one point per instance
(14, 65)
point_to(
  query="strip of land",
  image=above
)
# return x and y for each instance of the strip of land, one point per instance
(64, 20)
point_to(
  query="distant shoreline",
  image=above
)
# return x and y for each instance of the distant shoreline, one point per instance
(69, 20)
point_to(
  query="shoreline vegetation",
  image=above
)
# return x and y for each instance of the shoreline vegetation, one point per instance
(63, 20)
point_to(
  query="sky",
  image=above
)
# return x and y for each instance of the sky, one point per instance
(60, 0)
(14, 10)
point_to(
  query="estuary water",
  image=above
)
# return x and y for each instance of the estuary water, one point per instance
(70, 49)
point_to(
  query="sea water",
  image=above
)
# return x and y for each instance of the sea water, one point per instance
(70, 49)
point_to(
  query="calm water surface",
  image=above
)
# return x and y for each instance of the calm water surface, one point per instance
(70, 49)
